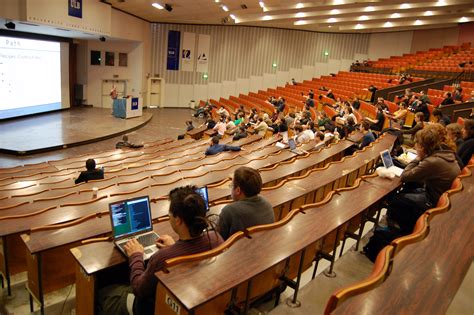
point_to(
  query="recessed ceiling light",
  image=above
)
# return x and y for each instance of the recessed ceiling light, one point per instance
(428, 13)
(339, 2)
(300, 22)
(359, 26)
(395, 15)
(405, 6)
(418, 22)
(440, 3)
(299, 5)
(225, 8)
(463, 20)
(266, 17)
(217, 1)
(363, 18)
(329, 26)
(388, 24)
(158, 6)
(262, 5)
(369, 9)
(331, 20)
(335, 11)
(232, 16)
(300, 14)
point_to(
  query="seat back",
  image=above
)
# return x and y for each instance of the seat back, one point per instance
(379, 273)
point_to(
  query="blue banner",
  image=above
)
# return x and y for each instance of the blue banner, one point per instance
(134, 103)
(75, 8)
(173, 50)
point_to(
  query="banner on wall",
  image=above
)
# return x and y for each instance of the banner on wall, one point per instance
(203, 53)
(75, 8)
(187, 52)
(173, 50)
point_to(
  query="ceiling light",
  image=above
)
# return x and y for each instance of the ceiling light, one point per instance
(266, 18)
(359, 26)
(217, 1)
(395, 15)
(440, 3)
(463, 20)
(369, 9)
(225, 8)
(262, 5)
(300, 14)
(428, 13)
(329, 26)
(232, 16)
(405, 6)
(299, 5)
(300, 22)
(158, 6)
(418, 22)
(363, 18)
(335, 11)
(388, 24)
(339, 2)
(331, 20)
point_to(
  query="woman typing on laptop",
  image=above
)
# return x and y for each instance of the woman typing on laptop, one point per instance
(187, 214)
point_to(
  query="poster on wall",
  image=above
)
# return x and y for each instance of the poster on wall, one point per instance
(75, 8)
(187, 52)
(203, 53)
(109, 58)
(173, 50)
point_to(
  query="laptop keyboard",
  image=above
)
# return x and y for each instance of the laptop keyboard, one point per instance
(147, 239)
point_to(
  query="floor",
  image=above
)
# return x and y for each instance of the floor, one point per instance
(58, 129)
(351, 267)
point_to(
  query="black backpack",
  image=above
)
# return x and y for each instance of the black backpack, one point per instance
(382, 237)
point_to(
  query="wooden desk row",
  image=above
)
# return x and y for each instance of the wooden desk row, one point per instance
(39, 242)
(425, 276)
(248, 268)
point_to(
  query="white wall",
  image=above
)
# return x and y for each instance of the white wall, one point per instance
(384, 45)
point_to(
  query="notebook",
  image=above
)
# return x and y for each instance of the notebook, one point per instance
(130, 219)
(205, 195)
(292, 144)
(388, 163)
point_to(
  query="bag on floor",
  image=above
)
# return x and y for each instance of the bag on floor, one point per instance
(382, 237)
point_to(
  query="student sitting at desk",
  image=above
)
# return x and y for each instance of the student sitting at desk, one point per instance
(187, 214)
(90, 173)
(248, 208)
(215, 147)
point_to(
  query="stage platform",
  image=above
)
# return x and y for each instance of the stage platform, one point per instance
(63, 129)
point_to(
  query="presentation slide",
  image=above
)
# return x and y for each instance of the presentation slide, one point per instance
(30, 76)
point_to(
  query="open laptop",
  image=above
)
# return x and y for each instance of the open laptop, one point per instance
(205, 195)
(388, 163)
(130, 219)
(292, 145)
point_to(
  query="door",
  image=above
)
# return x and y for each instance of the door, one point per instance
(155, 92)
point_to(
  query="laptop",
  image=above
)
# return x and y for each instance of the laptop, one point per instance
(292, 144)
(130, 219)
(205, 195)
(388, 163)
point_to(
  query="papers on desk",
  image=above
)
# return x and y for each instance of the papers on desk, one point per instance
(407, 157)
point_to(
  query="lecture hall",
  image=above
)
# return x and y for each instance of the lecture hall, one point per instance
(236, 157)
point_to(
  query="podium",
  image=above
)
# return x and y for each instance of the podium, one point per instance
(127, 107)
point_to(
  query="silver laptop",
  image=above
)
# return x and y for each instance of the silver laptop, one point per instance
(292, 145)
(388, 163)
(130, 219)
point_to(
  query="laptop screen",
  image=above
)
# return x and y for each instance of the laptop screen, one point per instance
(205, 195)
(130, 216)
(386, 159)
(292, 144)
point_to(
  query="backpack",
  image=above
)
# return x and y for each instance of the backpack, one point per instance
(382, 237)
